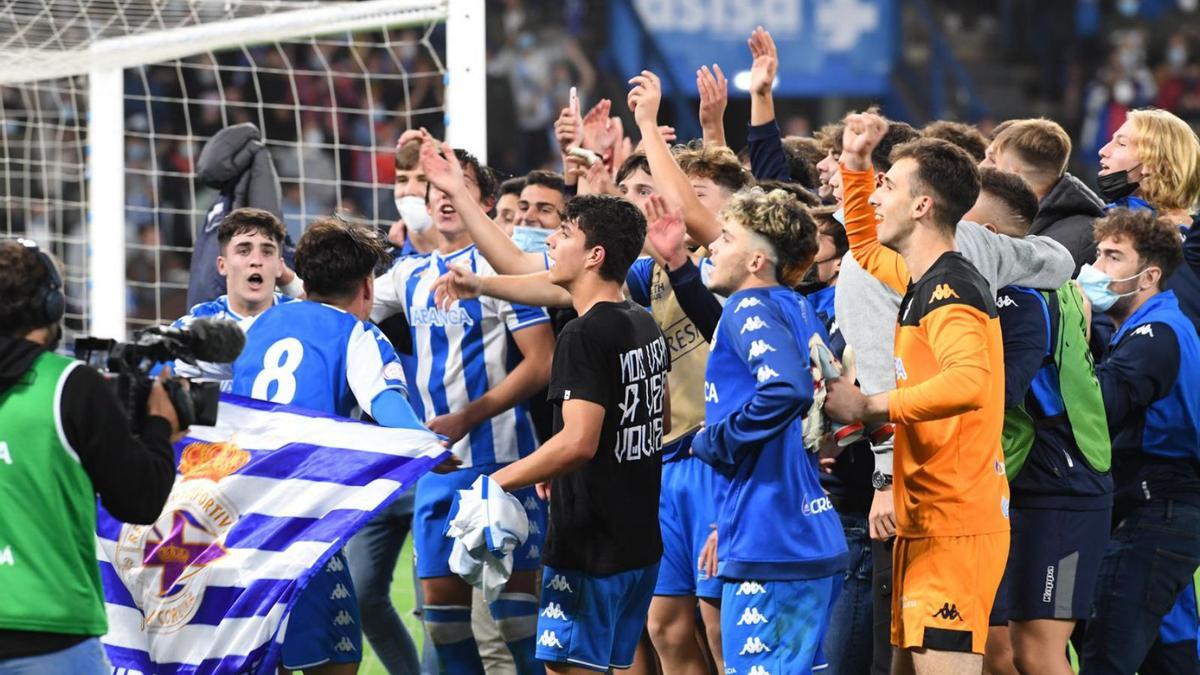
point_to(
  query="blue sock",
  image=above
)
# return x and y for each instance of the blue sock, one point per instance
(449, 629)
(516, 616)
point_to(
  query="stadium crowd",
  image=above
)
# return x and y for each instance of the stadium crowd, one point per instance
(887, 399)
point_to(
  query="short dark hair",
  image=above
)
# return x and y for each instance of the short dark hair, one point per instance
(1012, 191)
(1156, 240)
(614, 224)
(334, 256)
(828, 226)
(512, 186)
(22, 276)
(632, 164)
(947, 172)
(800, 192)
(489, 183)
(545, 178)
(802, 156)
(897, 133)
(964, 136)
(248, 221)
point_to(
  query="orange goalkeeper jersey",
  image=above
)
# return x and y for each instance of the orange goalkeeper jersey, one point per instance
(948, 404)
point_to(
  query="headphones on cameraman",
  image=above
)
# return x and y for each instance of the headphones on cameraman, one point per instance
(50, 299)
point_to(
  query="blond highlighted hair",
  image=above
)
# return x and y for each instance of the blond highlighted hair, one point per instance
(1169, 149)
(779, 218)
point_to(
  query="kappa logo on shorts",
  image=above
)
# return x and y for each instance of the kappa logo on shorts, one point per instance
(754, 645)
(339, 593)
(533, 527)
(554, 611)
(752, 617)
(549, 639)
(345, 645)
(559, 583)
(949, 612)
(750, 588)
(343, 618)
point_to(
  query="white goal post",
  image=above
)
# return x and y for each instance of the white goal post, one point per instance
(95, 41)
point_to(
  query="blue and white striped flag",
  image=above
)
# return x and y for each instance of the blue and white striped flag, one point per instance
(261, 502)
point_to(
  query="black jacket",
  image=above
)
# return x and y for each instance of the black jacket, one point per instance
(1066, 215)
(132, 476)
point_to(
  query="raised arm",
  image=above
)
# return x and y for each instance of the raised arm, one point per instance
(767, 160)
(445, 174)
(714, 97)
(670, 180)
(535, 290)
(1033, 262)
(863, 132)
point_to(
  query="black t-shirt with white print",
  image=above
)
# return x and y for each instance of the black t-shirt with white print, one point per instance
(604, 515)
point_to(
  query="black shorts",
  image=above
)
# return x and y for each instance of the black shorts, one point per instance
(1053, 563)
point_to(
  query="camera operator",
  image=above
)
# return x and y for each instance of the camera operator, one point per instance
(63, 439)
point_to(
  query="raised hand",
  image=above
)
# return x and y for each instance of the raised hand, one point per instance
(568, 129)
(458, 283)
(765, 62)
(443, 172)
(645, 98)
(714, 97)
(665, 231)
(861, 136)
(598, 132)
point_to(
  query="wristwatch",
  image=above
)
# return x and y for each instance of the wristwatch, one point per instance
(881, 480)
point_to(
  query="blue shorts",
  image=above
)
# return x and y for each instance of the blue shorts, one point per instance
(687, 512)
(773, 627)
(323, 626)
(1053, 563)
(593, 622)
(436, 496)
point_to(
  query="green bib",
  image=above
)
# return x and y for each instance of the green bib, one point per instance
(1082, 400)
(49, 578)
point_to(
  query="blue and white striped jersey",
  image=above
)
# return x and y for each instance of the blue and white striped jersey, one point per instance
(215, 309)
(460, 353)
(315, 356)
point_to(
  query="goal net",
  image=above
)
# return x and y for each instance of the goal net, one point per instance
(105, 106)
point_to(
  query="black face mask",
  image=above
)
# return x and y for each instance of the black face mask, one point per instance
(1115, 186)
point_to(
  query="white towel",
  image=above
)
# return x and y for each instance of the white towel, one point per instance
(488, 526)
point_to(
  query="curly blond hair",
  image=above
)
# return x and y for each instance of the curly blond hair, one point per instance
(783, 221)
(1169, 148)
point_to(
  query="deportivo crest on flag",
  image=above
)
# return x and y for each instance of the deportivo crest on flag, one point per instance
(262, 501)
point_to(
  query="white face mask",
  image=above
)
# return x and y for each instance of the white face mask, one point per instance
(414, 213)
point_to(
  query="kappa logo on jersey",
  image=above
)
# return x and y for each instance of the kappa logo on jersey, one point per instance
(747, 302)
(710, 393)
(752, 617)
(754, 645)
(901, 374)
(345, 645)
(335, 565)
(343, 618)
(949, 612)
(1144, 329)
(534, 553)
(765, 373)
(759, 670)
(434, 316)
(1005, 301)
(549, 639)
(942, 292)
(339, 593)
(531, 504)
(815, 506)
(752, 324)
(554, 611)
(750, 588)
(533, 527)
(759, 347)
(559, 583)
